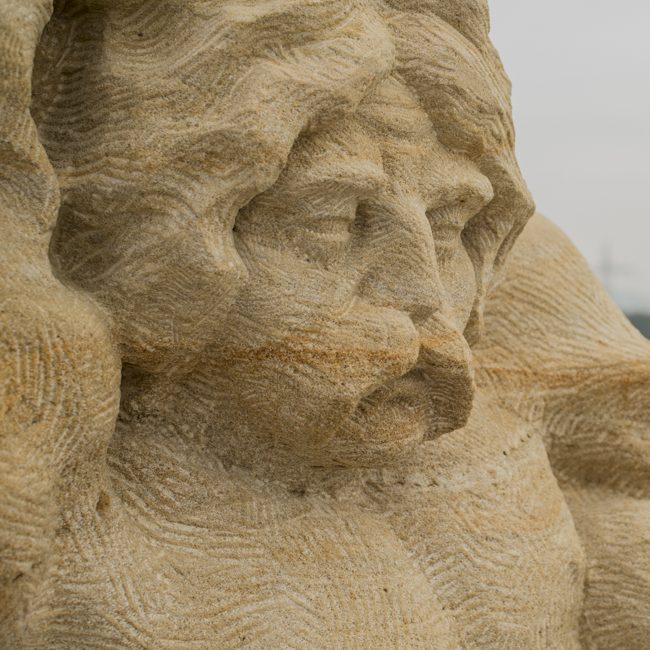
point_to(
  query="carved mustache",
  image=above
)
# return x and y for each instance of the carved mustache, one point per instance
(444, 370)
(332, 368)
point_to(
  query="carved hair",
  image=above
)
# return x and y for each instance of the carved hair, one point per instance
(161, 131)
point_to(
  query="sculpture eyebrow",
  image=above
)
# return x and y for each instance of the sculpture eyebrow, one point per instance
(364, 177)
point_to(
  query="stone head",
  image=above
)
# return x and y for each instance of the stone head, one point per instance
(294, 215)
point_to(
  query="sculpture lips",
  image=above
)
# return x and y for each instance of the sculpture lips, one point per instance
(409, 391)
(445, 360)
(396, 414)
(433, 398)
(419, 402)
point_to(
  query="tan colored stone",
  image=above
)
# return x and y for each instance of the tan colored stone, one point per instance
(269, 378)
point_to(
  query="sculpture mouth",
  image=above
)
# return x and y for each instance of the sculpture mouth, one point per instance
(417, 404)
(404, 406)
(390, 423)
(408, 393)
(407, 386)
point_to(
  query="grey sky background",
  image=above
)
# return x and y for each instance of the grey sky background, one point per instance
(581, 97)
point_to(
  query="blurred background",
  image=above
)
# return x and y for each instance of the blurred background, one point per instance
(581, 97)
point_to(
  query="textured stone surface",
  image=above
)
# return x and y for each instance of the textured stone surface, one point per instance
(271, 375)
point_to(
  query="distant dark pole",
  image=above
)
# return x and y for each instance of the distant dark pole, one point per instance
(606, 266)
(608, 269)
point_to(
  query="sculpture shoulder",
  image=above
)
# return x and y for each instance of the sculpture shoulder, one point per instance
(548, 306)
(561, 354)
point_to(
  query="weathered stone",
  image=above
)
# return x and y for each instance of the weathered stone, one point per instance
(271, 376)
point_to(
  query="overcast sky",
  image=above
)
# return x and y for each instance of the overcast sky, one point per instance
(581, 94)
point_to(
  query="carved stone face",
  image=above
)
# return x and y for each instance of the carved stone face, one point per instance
(305, 245)
(359, 288)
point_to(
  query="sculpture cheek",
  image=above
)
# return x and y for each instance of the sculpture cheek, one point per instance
(166, 283)
(302, 360)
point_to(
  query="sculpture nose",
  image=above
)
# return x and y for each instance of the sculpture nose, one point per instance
(401, 271)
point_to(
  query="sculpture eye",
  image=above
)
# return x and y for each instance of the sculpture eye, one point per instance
(308, 227)
(322, 234)
(448, 220)
(333, 229)
(447, 224)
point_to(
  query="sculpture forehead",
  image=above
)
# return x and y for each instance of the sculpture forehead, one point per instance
(393, 110)
(462, 87)
(439, 48)
(390, 127)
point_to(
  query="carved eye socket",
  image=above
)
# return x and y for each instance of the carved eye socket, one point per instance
(448, 222)
(333, 231)
(308, 227)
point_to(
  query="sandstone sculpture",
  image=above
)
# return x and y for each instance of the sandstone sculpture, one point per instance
(282, 365)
